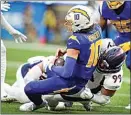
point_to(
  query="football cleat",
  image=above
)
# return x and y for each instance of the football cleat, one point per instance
(31, 106)
(87, 105)
(128, 107)
(8, 99)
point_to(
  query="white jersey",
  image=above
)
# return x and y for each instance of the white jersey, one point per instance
(110, 81)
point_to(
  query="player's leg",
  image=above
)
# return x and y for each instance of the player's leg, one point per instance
(127, 48)
(55, 102)
(35, 89)
(3, 69)
(128, 60)
(16, 91)
(128, 64)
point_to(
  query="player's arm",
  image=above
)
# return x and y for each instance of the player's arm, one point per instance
(60, 52)
(73, 50)
(67, 70)
(103, 22)
(104, 96)
(19, 37)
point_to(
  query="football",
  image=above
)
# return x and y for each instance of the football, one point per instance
(59, 62)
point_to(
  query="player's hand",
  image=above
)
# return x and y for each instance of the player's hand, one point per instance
(86, 94)
(5, 6)
(19, 37)
(60, 52)
(49, 62)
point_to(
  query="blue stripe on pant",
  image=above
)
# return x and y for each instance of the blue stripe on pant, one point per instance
(35, 89)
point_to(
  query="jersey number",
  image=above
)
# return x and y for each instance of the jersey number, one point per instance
(94, 55)
(115, 77)
(122, 25)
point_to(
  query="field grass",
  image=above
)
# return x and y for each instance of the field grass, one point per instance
(18, 54)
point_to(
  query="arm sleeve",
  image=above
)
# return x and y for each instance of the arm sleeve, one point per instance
(65, 71)
(6, 25)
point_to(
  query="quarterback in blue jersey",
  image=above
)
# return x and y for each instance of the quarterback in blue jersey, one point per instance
(82, 56)
(119, 14)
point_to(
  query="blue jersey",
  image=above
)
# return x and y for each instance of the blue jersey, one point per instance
(88, 44)
(122, 21)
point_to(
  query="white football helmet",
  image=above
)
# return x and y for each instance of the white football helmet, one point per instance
(78, 17)
(114, 4)
(106, 43)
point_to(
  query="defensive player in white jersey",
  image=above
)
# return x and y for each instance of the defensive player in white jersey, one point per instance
(19, 37)
(22, 78)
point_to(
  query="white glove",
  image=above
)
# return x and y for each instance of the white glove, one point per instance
(18, 36)
(5, 6)
(86, 94)
(49, 62)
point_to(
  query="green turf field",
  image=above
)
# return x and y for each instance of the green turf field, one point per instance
(19, 53)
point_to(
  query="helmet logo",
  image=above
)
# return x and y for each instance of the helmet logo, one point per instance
(78, 10)
(76, 16)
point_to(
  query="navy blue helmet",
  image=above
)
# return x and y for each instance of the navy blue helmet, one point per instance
(111, 59)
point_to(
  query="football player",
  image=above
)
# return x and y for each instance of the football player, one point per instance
(118, 12)
(82, 56)
(107, 79)
(18, 87)
(22, 79)
(19, 37)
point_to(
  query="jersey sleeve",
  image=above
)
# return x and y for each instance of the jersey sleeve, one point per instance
(73, 43)
(102, 9)
(113, 81)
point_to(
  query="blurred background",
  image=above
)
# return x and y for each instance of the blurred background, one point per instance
(43, 22)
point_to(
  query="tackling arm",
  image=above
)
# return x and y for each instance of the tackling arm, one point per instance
(102, 98)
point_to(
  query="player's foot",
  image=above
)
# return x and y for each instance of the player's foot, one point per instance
(60, 106)
(3, 94)
(68, 104)
(128, 107)
(8, 99)
(31, 106)
(87, 105)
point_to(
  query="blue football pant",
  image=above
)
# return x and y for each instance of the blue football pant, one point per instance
(35, 89)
